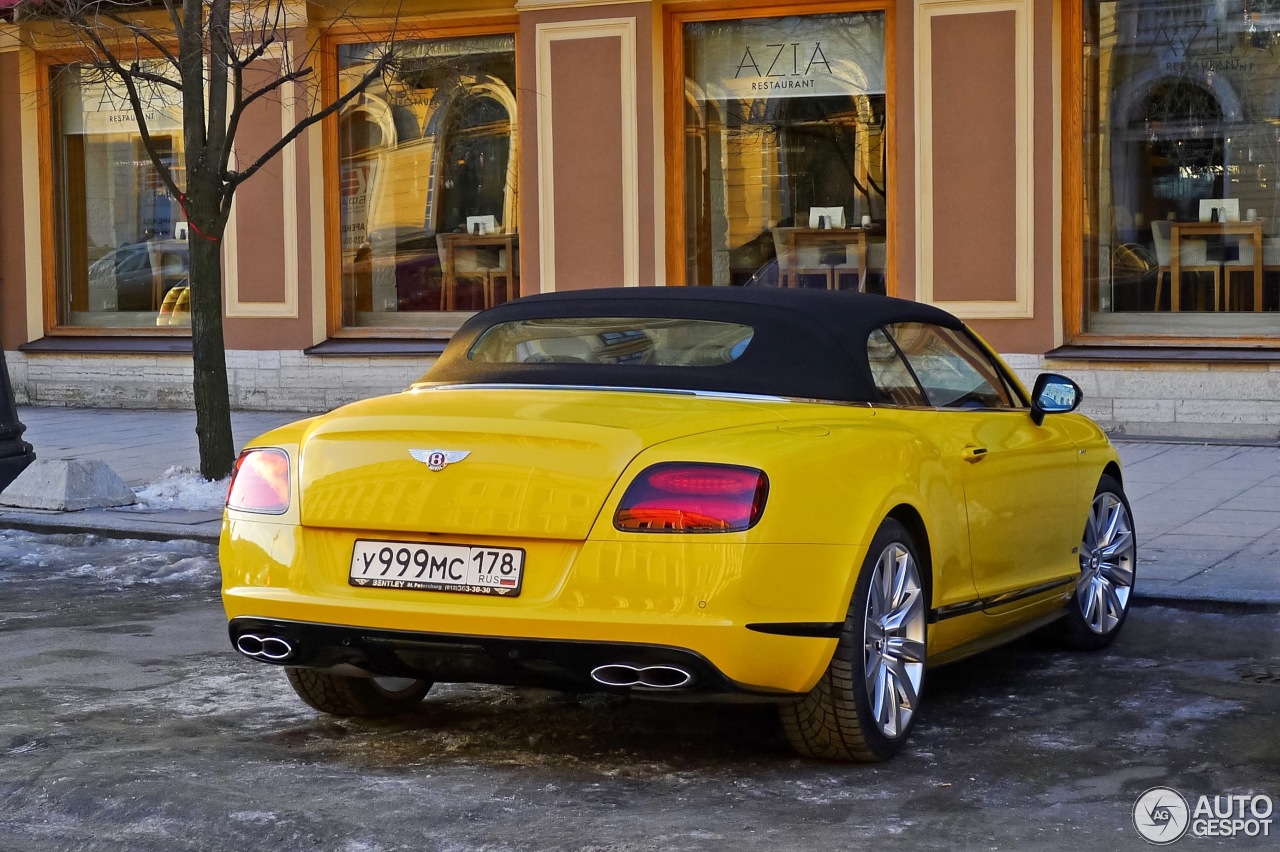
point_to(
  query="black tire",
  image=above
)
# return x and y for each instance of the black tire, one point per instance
(836, 720)
(356, 696)
(1100, 604)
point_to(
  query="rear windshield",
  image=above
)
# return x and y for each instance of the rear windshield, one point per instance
(648, 341)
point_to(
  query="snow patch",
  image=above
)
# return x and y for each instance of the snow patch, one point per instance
(255, 817)
(182, 488)
(147, 570)
(363, 846)
(115, 563)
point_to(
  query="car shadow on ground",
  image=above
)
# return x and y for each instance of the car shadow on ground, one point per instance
(504, 726)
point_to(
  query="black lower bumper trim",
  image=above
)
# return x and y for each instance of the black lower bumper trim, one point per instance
(942, 613)
(812, 629)
(450, 658)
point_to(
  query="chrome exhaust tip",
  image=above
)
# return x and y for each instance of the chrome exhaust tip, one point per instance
(665, 677)
(625, 675)
(272, 649)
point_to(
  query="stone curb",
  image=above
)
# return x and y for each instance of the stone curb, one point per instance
(149, 527)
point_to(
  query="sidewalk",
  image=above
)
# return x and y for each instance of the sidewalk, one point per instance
(1207, 516)
(139, 446)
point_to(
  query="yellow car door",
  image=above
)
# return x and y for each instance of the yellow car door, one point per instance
(1019, 478)
(1021, 497)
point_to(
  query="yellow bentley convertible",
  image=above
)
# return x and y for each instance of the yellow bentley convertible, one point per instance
(800, 497)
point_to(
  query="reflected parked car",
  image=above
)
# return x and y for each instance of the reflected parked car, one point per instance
(406, 258)
(136, 277)
(792, 496)
(176, 307)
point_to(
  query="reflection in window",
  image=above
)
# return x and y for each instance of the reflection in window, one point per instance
(620, 341)
(427, 181)
(1182, 153)
(953, 371)
(121, 236)
(783, 116)
(890, 373)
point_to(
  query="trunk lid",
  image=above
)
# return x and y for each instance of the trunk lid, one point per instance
(541, 461)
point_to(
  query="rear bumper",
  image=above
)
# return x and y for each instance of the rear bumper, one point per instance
(694, 597)
(439, 657)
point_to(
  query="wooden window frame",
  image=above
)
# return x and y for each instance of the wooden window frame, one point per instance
(1074, 294)
(349, 33)
(46, 61)
(675, 16)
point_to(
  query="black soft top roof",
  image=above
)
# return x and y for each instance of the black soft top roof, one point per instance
(806, 343)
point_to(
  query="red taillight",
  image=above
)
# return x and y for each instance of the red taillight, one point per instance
(260, 482)
(683, 497)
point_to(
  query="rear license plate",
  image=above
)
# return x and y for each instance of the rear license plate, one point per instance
(437, 567)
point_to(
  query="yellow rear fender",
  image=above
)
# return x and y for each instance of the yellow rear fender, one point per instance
(829, 484)
(288, 438)
(289, 434)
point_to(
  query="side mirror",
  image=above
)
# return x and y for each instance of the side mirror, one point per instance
(1054, 394)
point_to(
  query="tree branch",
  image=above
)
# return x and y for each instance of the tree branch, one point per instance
(219, 36)
(297, 130)
(175, 15)
(139, 31)
(135, 102)
(288, 77)
(233, 126)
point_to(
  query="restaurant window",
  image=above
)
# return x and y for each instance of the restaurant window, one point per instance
(785, 151)
(428, 183)
(121, 258)
(1181, 162)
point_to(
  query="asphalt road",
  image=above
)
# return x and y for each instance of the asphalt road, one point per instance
(126, 722)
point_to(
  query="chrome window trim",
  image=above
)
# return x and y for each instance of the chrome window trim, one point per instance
(702, 394)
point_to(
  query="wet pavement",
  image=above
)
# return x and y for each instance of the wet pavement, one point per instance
(128, 723)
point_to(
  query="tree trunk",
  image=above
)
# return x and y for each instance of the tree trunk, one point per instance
(208, 355)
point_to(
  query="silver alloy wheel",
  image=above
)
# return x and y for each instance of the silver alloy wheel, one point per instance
(893, 640)
(1106, 564)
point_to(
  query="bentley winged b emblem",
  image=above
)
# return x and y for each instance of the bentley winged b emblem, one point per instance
(438, 460)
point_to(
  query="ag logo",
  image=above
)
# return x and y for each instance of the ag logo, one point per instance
(1161, 816)
(439, 459)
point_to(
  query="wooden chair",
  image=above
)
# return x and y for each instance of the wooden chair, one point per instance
(459, 261)
(1193, 256)
(876, 256)
(795, 262)
(1244, 263)
(507, 270)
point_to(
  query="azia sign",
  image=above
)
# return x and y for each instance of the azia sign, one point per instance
(783, 61)
(809, 56)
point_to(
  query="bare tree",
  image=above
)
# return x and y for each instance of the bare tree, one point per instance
(210, 55)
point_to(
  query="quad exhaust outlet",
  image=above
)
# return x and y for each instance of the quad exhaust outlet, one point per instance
(273, 649)
(650, 677)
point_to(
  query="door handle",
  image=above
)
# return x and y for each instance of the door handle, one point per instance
(973, 454)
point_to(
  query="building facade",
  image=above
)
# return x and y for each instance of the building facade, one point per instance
(1092, 184)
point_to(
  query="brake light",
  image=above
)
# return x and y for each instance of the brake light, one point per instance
(260, 482)
(686, 497)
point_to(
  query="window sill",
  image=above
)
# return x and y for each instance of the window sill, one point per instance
(374, 346)
(109, 345)
(84, 345)
(1218, 354)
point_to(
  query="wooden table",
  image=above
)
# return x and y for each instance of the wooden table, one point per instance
(1177, 230)
(454, 244)
(789, 239)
